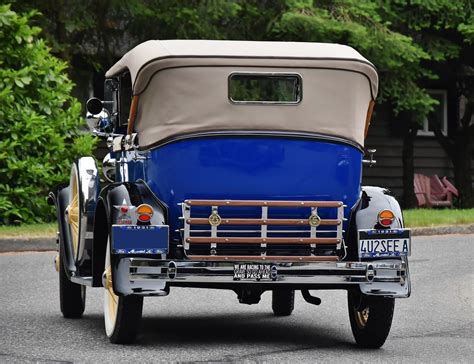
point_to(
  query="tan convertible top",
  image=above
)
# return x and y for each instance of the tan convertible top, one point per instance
(182, 87)
(149, 57)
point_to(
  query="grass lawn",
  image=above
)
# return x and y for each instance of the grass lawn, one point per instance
(434, 217)
(33, 230)
(413, 218)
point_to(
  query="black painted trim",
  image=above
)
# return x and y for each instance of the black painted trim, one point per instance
(250, 134)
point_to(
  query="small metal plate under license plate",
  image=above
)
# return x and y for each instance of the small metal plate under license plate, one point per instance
(255, 272)
(384, 243)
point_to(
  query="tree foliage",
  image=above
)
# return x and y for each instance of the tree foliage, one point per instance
(445, 31)
(97, 32)
(413, 43)
(39, 120)
(361, 25)
(93, 34)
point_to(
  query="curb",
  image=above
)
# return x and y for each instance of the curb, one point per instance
(443, 230)
(48, 243)
(19, 244)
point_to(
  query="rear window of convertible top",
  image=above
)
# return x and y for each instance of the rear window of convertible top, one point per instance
(272, 88)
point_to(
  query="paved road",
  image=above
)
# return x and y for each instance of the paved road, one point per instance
(434, 325)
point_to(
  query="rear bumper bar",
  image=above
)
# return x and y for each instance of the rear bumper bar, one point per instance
(153, 277)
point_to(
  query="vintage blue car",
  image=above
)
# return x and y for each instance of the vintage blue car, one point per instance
(233, 165)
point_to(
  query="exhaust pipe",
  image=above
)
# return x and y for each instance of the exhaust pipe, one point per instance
(310, 299)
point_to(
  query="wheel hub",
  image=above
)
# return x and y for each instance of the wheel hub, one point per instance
(56, 262)
(362, 317)
(107, 278)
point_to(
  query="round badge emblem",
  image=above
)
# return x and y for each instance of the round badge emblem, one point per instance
(215, 219)
(314, 220)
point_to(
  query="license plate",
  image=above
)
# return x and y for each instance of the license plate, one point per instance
(253, 271)
(384, 243)
(143, 239)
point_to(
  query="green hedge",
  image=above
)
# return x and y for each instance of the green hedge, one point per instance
(40, 123)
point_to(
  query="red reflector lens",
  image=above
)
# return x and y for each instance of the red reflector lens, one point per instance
(144, 213)
(386, 218)
(144, 218)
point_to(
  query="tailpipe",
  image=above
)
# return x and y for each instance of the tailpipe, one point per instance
(310, 299)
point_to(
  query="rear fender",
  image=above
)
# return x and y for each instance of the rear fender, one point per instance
(365, 214)
(110, 200)
(374, 200)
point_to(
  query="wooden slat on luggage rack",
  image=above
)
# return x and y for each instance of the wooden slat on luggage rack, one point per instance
(203, 221)
(243, 240)
(252, 258)
(263, 203)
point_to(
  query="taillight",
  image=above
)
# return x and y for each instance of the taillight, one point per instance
(386, 218)
(144, 213)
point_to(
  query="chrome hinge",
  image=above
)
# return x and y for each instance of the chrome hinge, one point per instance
(371, 161)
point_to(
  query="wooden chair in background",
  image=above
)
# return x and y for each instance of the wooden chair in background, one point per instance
(439, 194)
(420, 189)
(449, 186)
(433, 192)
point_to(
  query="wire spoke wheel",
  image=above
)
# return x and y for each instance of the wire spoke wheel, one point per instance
(110, 302)
(74, 212)
(371, 318)
(361, 317)
(122, 314)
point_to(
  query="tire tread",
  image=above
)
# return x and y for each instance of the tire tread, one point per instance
(127, 325)
(283, 302)
(72, 296)
(381, 311)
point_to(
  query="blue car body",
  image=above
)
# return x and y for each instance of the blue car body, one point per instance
(251, 168)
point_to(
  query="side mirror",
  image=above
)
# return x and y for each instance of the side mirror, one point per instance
(94, 105)
(98, 118)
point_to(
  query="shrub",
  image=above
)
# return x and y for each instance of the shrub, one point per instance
(40, 123)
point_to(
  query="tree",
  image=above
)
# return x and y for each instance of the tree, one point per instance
(364, 26)
(39, 121)
(445, 30)
(93, 34)
(408, 41)
(412, 44)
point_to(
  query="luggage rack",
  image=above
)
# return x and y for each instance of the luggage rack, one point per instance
(216, 231)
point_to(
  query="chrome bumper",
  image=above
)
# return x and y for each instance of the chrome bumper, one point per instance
(153, 277)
